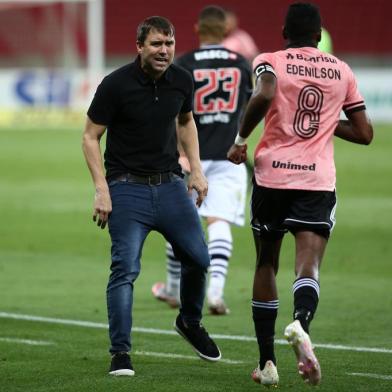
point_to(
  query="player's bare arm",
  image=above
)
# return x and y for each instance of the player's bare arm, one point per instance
(357, 129)
(256, 109)
(187, 134)
(92, 152)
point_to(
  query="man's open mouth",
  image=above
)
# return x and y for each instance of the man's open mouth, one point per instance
(161, 60)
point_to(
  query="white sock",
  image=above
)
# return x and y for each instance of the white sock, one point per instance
(220, 244)
(173, 272)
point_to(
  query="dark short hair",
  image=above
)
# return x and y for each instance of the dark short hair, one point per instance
(159, 23)
(302, 21)
(212, 21)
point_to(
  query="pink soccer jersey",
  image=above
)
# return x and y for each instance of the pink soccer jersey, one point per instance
(296, 149)
(241, 42)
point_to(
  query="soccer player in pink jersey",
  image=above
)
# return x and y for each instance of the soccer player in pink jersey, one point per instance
(300, 91)
(237, 39)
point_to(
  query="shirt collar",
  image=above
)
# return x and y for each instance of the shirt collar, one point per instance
(212, 46)
(146, 79)
(301, 44)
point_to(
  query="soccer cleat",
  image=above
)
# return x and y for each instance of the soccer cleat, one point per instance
(121, 365)
(268, 376)
(308, 365)
(198, 338)
(160, 293)
(217, 307)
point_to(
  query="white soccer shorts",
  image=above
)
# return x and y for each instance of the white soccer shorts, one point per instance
(226, 196)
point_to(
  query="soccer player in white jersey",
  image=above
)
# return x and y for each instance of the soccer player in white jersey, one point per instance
(223, 85)
(300, 91)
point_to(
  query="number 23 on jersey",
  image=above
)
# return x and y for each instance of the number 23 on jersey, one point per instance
(227, 80)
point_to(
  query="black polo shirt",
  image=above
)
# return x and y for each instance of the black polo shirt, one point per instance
(139, 114)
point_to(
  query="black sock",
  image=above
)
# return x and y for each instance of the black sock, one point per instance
(306, 297)
(264, 317)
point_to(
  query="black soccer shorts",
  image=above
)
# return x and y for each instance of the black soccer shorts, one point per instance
(274, 212)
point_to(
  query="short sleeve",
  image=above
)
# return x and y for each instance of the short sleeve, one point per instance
(187, 105)
(103, 105)
(354, 101)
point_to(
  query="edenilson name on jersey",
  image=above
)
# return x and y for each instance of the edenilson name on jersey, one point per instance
(317, 73)
(293, 166)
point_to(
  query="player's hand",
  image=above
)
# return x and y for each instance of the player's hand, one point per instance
(198, 182)
(237, 154)
(102, 207)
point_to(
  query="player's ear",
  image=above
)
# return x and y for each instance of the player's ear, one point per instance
(139, 46)
(196, 28)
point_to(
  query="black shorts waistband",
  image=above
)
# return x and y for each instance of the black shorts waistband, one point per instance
(154, 179)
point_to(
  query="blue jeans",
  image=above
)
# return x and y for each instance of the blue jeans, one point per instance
(138, 209)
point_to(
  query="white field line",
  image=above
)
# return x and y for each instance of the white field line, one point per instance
(26, 341)
(90, 324)
(179, 356)
(371, 375)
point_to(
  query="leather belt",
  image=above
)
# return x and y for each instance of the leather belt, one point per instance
(155, 179)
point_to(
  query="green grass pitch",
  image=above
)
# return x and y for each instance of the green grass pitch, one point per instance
(54, 263)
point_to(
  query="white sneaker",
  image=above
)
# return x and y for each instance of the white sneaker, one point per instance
(159, 292)
(268, 376)
(308, 365)
(217, 307)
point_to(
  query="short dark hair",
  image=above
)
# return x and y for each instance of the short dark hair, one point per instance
(159, 23)
(212, 21)
(302, 21)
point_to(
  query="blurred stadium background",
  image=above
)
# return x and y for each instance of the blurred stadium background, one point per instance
(54, 262)
(53, 53)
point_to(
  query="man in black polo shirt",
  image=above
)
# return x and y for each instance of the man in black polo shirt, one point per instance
(223, 85)
(143, 189)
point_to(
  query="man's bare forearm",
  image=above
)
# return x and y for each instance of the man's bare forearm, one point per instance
(187, 134)
(255, 112)
(258, 104)
(92, 154)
